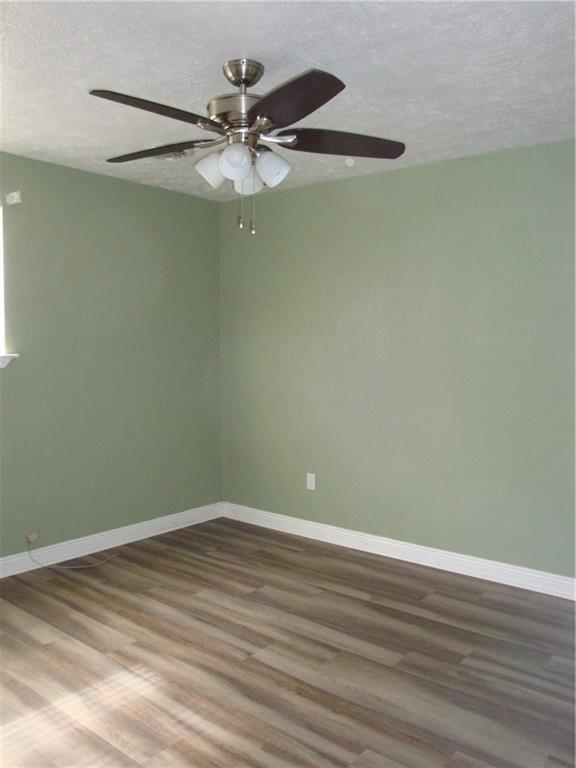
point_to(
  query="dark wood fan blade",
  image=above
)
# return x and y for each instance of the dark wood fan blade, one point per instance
(155, 151)
(297, 98)
(341, 143)
(160, 109)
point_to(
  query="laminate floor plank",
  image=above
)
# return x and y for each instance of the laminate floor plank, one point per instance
(542, 705)
(268, 706)
(37, 602)
(439, 717)
(225, 645)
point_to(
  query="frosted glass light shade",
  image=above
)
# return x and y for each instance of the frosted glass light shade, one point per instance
(235, 162)
(250, 185)
(272, 168)
(209, 169)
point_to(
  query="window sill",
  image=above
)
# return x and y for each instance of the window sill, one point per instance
(5, 358)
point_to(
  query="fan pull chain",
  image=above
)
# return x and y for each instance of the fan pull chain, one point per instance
(240, 218)
(253, 216)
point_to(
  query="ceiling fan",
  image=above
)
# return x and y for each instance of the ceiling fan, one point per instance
(250, 125)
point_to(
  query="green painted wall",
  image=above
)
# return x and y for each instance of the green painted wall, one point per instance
(408, 337)
(111, 416)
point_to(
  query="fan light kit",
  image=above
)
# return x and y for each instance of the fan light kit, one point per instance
(250, 126)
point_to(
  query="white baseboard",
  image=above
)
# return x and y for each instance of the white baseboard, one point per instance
(97, 542)
(502, 573)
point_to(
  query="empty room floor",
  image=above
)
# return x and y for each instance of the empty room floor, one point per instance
(230, 646)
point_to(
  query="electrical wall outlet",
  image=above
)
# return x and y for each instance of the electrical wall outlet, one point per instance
(310, 481)
(32, 537)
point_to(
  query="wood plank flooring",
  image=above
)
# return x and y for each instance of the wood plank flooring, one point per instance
(228, 646)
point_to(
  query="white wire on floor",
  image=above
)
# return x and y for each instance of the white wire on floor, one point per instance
(70, 567)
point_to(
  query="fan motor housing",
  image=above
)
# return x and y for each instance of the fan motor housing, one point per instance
(232, 108)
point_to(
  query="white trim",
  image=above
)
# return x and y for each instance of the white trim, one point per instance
(6, 358)
(502, 573)
(490, 570)
(97, 542)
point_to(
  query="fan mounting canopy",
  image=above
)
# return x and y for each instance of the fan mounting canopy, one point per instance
(243, 72)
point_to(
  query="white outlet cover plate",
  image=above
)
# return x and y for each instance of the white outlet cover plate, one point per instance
(13, 198)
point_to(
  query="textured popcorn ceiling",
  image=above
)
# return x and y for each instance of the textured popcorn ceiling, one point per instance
(448, 79)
